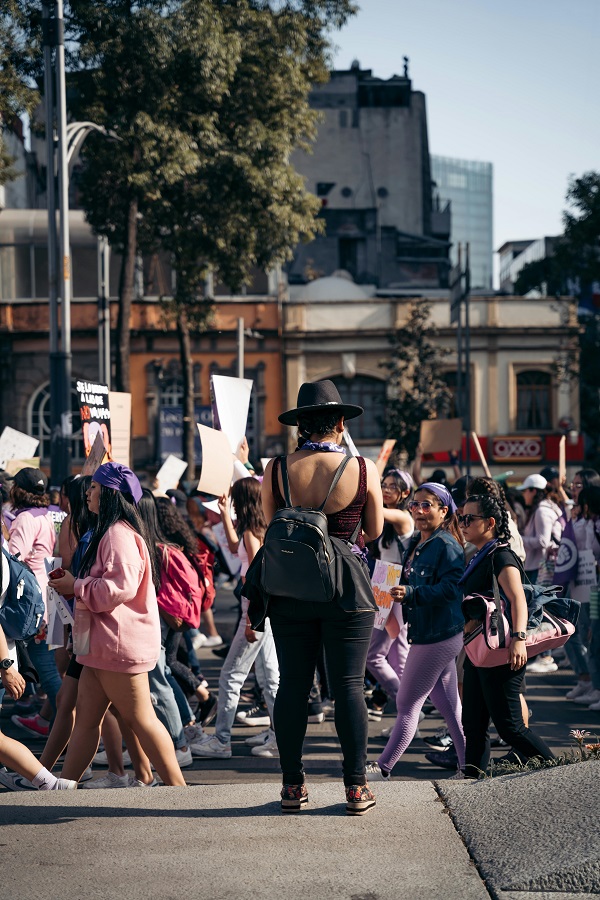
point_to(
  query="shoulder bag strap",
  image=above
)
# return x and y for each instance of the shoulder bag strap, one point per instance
(336, 478)
(498, 602)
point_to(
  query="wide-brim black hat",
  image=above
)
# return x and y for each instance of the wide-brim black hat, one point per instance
(318, 396)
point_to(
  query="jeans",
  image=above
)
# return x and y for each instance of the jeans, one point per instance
(495, 693)
(44, 662)
(576, 647)
(242, 655)
(184, 675)
(300, 629)
(185, 710)
(164, 703)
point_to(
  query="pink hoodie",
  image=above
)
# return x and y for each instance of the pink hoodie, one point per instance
(117, 603)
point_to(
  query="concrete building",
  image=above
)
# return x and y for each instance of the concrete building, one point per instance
(515, 255)
(468, 186)
(370, 167)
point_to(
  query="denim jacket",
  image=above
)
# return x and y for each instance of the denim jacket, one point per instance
(432, 604)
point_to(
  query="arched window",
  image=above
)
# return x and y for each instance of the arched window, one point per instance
(370, 393)
(534, 391)
(38, 424)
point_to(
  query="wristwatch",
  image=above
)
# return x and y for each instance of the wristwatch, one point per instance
(6, 663)
(520, 635)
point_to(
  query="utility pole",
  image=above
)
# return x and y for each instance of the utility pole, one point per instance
(240, 348)
(466, 300)
(103, 312)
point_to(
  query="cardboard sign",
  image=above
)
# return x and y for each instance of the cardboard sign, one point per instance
(384, 455)
(95, 413)
(96, 456)
(16, 445)
(14, 465)
(231, 398)
(438, 435)
(385, 576)
(119, 404)
(217, 462)
(170, 472)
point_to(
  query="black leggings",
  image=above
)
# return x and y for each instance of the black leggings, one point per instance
(495, 693)
(300, 630)
(184, 676)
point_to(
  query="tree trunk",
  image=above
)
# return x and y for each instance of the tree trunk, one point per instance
(187, 372)
(126, 292)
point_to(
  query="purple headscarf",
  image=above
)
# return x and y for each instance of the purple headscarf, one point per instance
(119, 478)
(440, 492)
(404, 475)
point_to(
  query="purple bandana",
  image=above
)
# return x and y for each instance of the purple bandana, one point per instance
(324, 446)
(404, 475)
(440, 492)
(119, 478)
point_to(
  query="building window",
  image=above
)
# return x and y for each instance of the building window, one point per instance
(370, 393)
(39, 424)
(534, 401)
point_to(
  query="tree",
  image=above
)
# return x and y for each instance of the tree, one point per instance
(17, 91)
(416, 389)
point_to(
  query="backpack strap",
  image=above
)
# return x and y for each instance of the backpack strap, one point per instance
(286, 481)
(338, 474)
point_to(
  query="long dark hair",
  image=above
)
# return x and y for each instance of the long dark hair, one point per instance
(175, 528)
(81, 518)
(115, 507)
(388, 535)
(21, 499)
(149, 515)
(245, 496)
(589, 477)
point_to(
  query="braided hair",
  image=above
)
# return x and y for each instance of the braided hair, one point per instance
(491, 501)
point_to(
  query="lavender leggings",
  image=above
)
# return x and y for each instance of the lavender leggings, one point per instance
(387, 656)
(430, 670)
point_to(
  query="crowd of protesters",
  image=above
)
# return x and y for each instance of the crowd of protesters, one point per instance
(137, 570)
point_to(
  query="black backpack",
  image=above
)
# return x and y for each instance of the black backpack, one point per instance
(299, 557)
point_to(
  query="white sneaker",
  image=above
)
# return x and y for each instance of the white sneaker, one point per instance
(193, 733)
(110, 780)
(269, 748)
(594, 699)
(255, 717)
(257, 740)
(198, 641)
(211, 748)
(588, 697)
(65, 784)
(542, 665)
(328, 707)
(14, 782)
(386, 732)
(214, 641)
(134, 783)
(582, 687)
(101, 759)
(374, 773)
(184, 757)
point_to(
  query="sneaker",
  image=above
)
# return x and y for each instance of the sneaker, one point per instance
(134, 783)
(101, 759)
(207, 710)
(328, 707)
(594, 698)
(257, 716)
(64, 784)
(374, 710)
(595, 707)
(184, 757)
(582, 687)
(35, 725)
(211, 748)
(110, 780)
(441, 740)
(294, 797)
(87, 775)
(374, 773)
(198, 640)
(542, 665)
(586, 698)
(257, 740)
(459, 775)
(385, 733)
(268, 748)
(315, 718)
(14, 782)
(214, 641)
(359, 799)
(444, 759)
(193, 733)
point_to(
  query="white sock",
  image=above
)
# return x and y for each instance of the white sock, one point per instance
(44, 780)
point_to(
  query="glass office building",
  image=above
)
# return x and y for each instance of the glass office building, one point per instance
(467, 184)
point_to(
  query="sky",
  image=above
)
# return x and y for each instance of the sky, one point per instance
(511, 82)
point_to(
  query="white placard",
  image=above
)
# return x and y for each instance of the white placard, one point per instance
(217, 462)
(16, 445)
(170, 472)
(239, 471)
(119, 404)
(232, 400)
(385, 576)
(232, 560)
(350, 443)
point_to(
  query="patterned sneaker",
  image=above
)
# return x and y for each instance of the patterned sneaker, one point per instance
(193, 733)
(359, 799)
(34, 725)
(294, 797)
(110, 780)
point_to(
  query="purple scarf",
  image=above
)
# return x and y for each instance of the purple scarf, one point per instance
(440, 492)
(119, 478)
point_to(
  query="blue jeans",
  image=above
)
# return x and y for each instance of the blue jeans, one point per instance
(164, 701)
(576, 647)
(44, 662)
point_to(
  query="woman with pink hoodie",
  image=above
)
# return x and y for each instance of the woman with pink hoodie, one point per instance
(116, 634)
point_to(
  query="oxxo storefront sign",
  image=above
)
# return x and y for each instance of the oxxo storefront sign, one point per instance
(517, 448)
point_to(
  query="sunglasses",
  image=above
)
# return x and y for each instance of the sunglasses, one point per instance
(389, 487)
(425, 505)
(468, 518)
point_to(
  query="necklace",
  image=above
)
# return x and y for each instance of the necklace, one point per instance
(324, 446)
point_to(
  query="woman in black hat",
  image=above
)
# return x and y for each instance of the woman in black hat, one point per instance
(302, 628)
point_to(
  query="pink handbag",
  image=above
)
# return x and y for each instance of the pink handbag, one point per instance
(487, 646)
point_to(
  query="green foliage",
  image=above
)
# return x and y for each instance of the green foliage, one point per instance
(416, 389)
(17, 93)
(544, 275)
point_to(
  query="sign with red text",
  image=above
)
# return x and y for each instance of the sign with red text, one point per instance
(517, 448)
(95, 413)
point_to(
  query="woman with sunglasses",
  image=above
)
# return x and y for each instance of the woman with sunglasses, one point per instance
(495, 692)
(431, 605)
(389, 647)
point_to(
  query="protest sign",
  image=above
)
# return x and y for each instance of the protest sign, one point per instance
(95, 457)
(95, 413)
(169, 473)
(385, 576)
(16, 445)
(233, 561)
(438, 435)
(13, 466)
(119, 404)
(217, 462)
(384, 455)
(231, 401)
(350, 443)
(482, 459)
